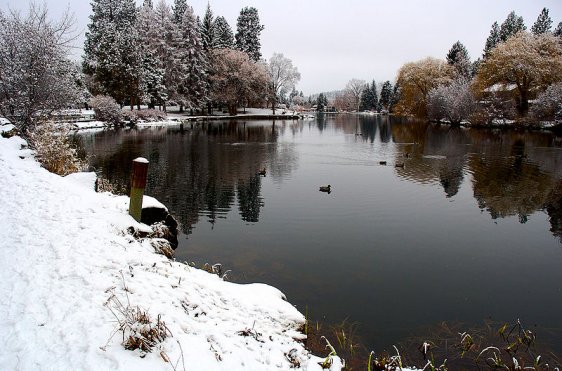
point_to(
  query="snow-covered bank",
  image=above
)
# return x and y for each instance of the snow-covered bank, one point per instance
(66, 260)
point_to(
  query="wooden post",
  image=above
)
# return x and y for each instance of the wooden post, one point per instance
(138, 183)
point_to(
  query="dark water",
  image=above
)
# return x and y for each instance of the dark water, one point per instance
(468, 230)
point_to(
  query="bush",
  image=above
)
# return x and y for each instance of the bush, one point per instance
(54, 150)
(149, 115)
(548, 105)
(453, 103)
(106, 109)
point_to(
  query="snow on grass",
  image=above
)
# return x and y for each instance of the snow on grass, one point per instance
(65, 259)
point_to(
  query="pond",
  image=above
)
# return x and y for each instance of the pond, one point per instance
(468, 230)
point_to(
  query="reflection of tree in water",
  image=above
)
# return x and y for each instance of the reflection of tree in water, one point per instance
(249, 199)
(196, 172)
(508, 186)
(553, 208)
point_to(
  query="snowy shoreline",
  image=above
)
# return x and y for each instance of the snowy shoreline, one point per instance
(67, 259)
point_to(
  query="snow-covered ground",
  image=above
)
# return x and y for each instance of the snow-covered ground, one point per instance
(69, 272)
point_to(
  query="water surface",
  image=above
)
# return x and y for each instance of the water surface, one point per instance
(468, 229)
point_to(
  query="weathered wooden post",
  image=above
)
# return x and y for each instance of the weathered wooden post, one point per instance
(138, 183)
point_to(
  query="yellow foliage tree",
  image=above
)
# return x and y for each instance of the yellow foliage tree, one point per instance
(416, 80)
(530, 62)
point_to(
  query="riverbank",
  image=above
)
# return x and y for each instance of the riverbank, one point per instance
(77, 288)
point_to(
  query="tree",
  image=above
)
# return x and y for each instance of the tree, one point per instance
(511, 26)
(416, 80)
(321, 103)
(193, 86)
(355, 88)
(492, 40)
(282, 75)
(36, 76)
(558, 30)
(179, 8)
(236, 78)
(458, 58)
(548, 105)
(530, 62)
(223, 36)
(111, 53)
(207, 29)
(370, 98)
(454, 102)
(542, 24)
(248, 30)
(386, 95)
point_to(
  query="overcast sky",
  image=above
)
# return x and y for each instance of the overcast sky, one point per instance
(332, 41)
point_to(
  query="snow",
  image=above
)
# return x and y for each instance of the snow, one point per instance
(66, 260)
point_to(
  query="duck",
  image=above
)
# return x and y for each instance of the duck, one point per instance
(262, 172)
(327, 188)
(399, 164)
(382, 162)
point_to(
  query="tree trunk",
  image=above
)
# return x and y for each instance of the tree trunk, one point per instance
(181, 108)
(273, 106)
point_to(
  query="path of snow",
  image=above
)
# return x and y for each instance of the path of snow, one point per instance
(64, 251)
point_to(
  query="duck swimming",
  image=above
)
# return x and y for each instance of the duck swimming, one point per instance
(326, 188)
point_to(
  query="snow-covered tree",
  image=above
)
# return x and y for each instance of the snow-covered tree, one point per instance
(179, 8)
(282, 75)
(193, 87)
(248, 30)
(458, 58)
(147, 3)
(111, 53)
(386, 95)
(492, 40)
(370, 98)
(453, 103)
(558, 30)
(208, 29)
(548, 105)
(236, 79)
(35, 75)
(542, 24)
(223, 35)
(530, 62)
(355, 88)
(511, 26)
(416, 80)
(321, 103)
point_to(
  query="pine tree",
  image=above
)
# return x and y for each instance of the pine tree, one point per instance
(375, 97)
(248, 29)
(458, 57)
(207, 29)
(492, 40)
(512, 25)
(223, 35)
(542, 24)
(386, 95)
(366, 99)
(179, 8)
(558, 30)
(194, 83)
(111, 49)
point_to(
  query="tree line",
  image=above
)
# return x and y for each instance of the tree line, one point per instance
(517, 67)
(154, 55)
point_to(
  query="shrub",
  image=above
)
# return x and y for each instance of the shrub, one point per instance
(54, 150)
(453, 103)
(106, 109)
(548, 105)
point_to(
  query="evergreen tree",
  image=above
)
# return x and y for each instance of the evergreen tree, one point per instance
(375, 102)
(321, 103)
(207, 29)
(179, 8)
(458, 57)
(148, 4)
(542, 24)
(558, 30)
(492, 40)
(512, 25)
(366, 99)
(194, 86)
(111, 54)
(223, 36)
(386, 95)
(248, 29)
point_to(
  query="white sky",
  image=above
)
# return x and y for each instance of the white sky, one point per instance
(332, 41)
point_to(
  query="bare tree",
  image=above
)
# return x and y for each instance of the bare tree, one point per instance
(454, 102)
(282, 75)
(36, 76)
(355, 88)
